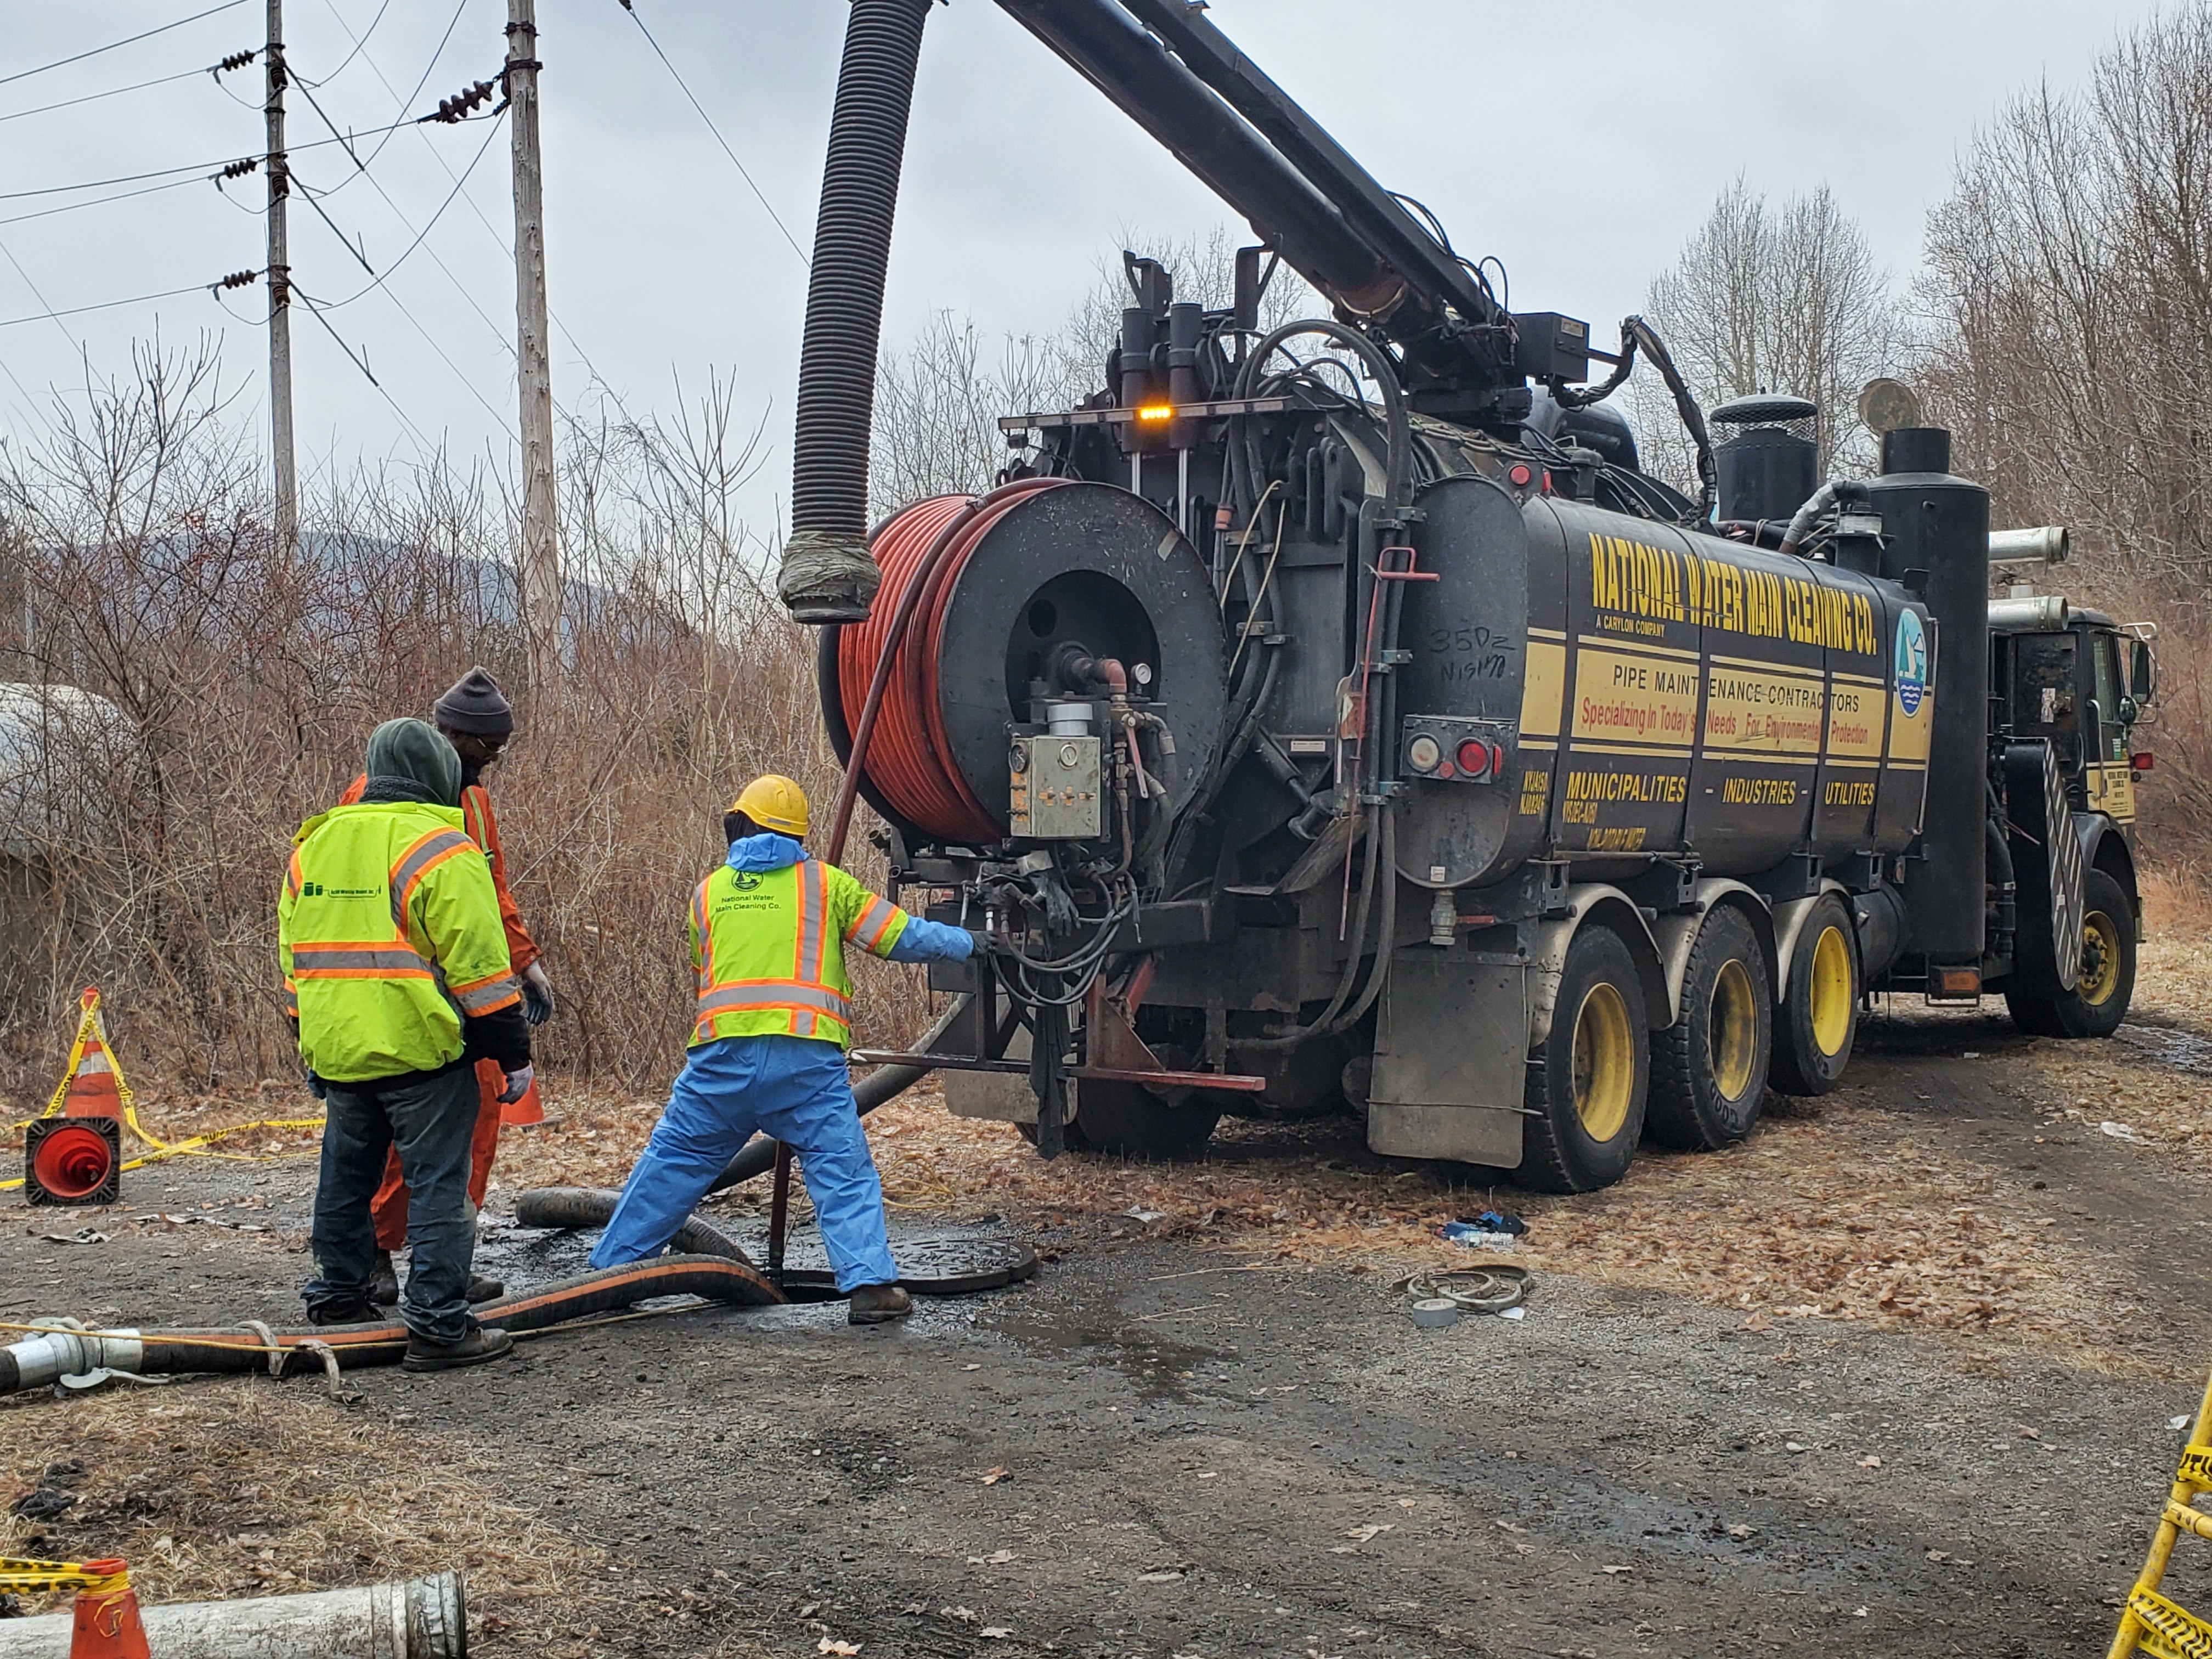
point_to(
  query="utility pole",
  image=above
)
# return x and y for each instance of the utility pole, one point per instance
(541, 557)
(280, 291)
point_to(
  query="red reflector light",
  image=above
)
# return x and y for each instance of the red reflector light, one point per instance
(1444, 769)
(2142, 762)
(1519, 474)
(1959, 982)
(1474, 757)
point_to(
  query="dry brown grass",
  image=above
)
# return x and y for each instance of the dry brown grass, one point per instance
(244, 1488)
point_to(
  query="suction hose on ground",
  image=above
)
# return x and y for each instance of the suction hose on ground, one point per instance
(37, 1360)
(827, 574)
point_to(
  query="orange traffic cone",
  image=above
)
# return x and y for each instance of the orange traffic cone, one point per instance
(107, 1624)
(531, 1108)
(93, 1084)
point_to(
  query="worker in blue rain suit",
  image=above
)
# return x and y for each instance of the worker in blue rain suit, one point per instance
(769, 931)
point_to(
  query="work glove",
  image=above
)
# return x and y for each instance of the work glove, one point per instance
(518, 1084)
(537, 995)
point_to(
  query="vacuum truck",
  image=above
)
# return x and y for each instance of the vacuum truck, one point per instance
(1335, 717)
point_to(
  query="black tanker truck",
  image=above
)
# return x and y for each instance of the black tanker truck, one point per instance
(1335, 717)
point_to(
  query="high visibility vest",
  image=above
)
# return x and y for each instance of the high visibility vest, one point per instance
(483, 827)
(767, 950)
(388, 934)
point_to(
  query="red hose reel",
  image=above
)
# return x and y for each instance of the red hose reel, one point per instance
(910, 758)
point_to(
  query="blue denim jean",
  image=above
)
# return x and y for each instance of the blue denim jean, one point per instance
(432, 1121)
(796, 1089)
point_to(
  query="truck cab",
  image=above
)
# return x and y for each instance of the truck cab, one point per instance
(2075, 679)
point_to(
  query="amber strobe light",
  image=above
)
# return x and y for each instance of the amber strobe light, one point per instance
(1153, 414)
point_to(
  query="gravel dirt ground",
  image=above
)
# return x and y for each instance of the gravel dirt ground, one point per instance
(1896, 1377)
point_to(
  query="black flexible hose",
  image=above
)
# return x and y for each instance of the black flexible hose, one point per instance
(594, 1206)
(827, 574)
(169, 1353)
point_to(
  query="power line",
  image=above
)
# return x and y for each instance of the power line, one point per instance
(349, 57)
(105, 305)
(717, 132)
(168, 172)
(22, 75)
(102, 201)
(113, 92)
(35, 292)
(360, 45)
(335, 304)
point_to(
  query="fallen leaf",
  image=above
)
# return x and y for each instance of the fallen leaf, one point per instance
(1869, 1462)
(994, 1631)
(965, 1615)
(2027, 1433)
(1939, 1555)
(1616, 1570)
(1740, 1530)
(1165, 1575)
(995, 1558)
(826, 1645)
(1364, 1533)
(992, 1477)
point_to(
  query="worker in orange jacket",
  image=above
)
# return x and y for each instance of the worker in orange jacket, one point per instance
(477, 720)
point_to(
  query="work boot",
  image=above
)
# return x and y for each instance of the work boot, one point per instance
(485, 1289)
(878, 1304)
(383, 1280)
(351, 1311)
(478, 1345)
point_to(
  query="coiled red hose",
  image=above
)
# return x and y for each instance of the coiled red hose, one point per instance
(921, 552)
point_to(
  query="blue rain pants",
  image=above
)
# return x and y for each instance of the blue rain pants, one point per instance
(796, 1089)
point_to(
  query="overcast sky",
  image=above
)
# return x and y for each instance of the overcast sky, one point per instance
(1579, 145)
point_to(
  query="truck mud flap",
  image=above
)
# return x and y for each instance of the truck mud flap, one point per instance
(1451, 1047)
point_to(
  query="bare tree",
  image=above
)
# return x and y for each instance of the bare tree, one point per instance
(1785, 299)
(2066, 340)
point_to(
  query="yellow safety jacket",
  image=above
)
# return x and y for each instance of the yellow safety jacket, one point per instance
(767, 950)
(388, 932)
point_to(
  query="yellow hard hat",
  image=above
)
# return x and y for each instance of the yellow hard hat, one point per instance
(774, 802)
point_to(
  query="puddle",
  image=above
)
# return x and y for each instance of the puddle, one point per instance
(2182, 1050)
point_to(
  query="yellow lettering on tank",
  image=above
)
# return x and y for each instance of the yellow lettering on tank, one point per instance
(1536, 790)
(1848, 792)
(1759, 791)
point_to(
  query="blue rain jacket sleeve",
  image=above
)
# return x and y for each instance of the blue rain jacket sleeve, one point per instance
(923, 940)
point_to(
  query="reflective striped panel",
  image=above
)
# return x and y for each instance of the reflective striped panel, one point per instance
(773, 993)
(487, 996)
(704, 933)
(869, 927)
(418, 861)
(356, 961)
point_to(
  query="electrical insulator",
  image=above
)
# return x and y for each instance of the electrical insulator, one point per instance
(238, 169)
(237, 60)
(240, 279)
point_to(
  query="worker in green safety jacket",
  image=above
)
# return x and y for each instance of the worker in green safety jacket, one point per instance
(774, 1018)
(395, 971)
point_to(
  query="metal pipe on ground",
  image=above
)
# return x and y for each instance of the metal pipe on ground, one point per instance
(422, 1618)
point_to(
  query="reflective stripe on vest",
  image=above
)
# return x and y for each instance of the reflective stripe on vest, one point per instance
(869, 927)
(812, 1001)
(425, 855)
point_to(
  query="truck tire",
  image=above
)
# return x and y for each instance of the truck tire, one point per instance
(1127, 1120)
(1587, 1091)
(1708, 1068)
(1817, 1020)
(2099, 999)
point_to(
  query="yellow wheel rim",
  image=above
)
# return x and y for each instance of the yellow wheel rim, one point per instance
(2100, 958)
(1605, 1062)
(1830, 991)
(1732, 1030)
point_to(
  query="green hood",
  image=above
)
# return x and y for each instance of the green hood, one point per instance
(411, 759)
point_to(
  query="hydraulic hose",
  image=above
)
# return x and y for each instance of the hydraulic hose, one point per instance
(39, 1359)
(594, 1206)
(827, 575)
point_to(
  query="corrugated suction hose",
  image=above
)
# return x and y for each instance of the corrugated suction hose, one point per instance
(827, 575)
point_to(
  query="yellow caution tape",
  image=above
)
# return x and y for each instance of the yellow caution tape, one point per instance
(16, 1574)
(199, 1145)
(2195, 1468)
(2169, 1632)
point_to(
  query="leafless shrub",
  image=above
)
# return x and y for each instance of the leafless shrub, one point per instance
(244, 678)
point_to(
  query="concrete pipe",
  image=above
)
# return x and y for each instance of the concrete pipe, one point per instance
(424, 1619)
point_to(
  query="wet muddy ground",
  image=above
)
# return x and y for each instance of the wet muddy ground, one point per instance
(1163, 1448)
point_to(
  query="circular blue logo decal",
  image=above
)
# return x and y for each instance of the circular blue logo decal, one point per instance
(1911, 662)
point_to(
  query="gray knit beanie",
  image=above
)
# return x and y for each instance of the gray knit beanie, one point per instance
(417, 751)
(475, 705)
